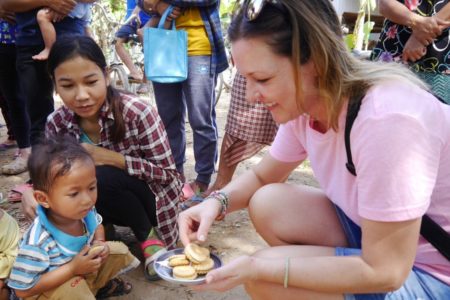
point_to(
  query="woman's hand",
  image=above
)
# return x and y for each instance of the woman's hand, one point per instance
(104, 156)
(426, 29)
(413, 50)
(237, 272)
(194, 223)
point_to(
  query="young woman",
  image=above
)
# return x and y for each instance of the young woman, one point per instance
(358, 237)
(138, 185)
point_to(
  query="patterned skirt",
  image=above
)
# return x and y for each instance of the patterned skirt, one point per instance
(249, 127)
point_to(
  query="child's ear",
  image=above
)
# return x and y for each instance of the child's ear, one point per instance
(41, 198)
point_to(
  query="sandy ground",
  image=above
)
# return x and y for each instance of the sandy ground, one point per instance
(228, 239)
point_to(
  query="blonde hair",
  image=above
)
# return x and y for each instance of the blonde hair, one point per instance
(313, 31)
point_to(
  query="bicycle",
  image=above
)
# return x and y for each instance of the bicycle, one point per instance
(104, 33)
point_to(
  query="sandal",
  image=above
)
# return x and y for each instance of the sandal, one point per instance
(149, 271)
(17, 166)
(15, 194)
(113, 288)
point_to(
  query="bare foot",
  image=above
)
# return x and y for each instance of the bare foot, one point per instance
(43, 55)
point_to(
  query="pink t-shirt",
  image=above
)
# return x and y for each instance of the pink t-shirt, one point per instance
(400, 148)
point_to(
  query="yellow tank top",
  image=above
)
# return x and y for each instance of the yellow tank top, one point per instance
(191, 21)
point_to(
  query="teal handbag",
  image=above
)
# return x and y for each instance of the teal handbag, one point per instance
(165, 52)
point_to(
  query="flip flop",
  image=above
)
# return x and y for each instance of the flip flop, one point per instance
(150, 259)
(15, 194)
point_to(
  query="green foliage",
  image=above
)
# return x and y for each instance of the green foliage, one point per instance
(117, 5)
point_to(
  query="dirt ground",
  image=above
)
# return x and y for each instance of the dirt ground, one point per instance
(229, 239)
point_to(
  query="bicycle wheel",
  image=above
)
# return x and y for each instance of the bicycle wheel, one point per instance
(118, 77)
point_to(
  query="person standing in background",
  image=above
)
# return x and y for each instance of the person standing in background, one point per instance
(15, 113)
(35, 83)
(206, 59)
(417, 33)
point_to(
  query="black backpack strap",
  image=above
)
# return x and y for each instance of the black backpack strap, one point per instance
(430, 230)
(354, 105)
(436, 236)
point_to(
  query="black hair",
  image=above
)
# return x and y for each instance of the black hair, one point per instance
(68, 47)
(53, 157)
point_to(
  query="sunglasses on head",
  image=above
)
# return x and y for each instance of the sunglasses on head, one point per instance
(254, 7)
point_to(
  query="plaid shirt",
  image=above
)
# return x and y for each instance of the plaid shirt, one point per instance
(146, 150)
(209, 10)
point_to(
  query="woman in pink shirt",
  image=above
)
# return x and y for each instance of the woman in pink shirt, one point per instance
(358, 236)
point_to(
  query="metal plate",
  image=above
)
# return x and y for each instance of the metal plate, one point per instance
(164, 271)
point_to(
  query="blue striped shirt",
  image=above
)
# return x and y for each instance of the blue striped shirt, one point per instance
(44, 248)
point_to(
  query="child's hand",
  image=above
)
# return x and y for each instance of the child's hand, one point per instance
(105, 252)
(85, 263)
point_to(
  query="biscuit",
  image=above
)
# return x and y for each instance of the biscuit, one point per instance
(96, 250)
(196, 254)
(184, 272)
(204, 267)
(178, 260)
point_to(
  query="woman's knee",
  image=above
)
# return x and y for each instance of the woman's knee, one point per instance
(262, 202)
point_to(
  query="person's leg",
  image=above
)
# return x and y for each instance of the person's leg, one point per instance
(125, 200)
(37, 88)
(172, 110)
(44, 19)
(119, 261)
(198, 90)
(75, 288)
(128, 201)
(299, 209)
(9, 87)
(122, 36)
(10, 140)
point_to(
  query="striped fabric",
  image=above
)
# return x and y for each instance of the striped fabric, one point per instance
(249, 126)
(44, 248)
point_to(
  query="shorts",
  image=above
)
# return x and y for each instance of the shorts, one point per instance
(418, 285)
(130, 28)
(126, 30)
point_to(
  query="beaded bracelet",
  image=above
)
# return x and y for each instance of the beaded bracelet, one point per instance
(223, 199)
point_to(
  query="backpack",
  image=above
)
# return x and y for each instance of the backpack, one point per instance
(429, 229)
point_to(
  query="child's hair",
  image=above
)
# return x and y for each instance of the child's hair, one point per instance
(69, 47)
(53, 157)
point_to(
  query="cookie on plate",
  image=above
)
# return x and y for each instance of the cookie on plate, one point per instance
(184, 272)
(178, 260)
(204, 267)
(195, 253)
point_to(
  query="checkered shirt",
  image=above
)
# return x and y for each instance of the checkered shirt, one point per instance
(146, 150)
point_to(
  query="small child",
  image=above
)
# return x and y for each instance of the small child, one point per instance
(54, 258)
(45, 18)
(9, 242)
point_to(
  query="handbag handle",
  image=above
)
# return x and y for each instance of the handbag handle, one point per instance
(164, 17)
